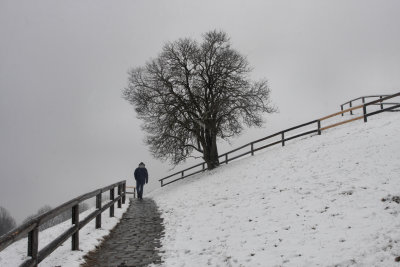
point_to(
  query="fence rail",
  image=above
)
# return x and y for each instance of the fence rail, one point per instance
(363, 99)
(283, 134)
(32, 226)
(133, 191)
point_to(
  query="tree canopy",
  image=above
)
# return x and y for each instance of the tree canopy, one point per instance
(193, 93)
(7, 222)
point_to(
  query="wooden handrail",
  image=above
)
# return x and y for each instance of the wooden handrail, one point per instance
(241, 147)
(133, 192)
(31, 227)
(383, 110)
(284, 139)
(340, 112)
(181, 171)
(252, 150)
(382, 99)
(341, 123)
(364, 107)
(361, 97)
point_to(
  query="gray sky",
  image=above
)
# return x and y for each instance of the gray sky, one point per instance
(66, 130)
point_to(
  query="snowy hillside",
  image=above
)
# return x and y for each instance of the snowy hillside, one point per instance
(326, 200)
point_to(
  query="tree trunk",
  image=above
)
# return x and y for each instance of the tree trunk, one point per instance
(211, 151)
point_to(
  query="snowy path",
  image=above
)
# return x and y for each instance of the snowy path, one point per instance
(134, 241)
(315, 202)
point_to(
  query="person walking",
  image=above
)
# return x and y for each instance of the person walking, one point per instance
(141, 177)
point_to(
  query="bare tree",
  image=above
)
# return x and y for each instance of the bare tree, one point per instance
(7, 222)
(194, 93)
(66, 215)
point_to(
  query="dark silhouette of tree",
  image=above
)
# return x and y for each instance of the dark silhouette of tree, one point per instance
(194, 93)
(7, 222)
(66, 215)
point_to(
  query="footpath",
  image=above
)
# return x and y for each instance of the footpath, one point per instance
(135, 241)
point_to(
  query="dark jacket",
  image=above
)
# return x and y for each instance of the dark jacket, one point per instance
(141, 175)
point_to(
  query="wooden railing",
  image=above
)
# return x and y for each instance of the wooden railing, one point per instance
(133, 191)
(363, 99)
(32, 226)
(283, 135)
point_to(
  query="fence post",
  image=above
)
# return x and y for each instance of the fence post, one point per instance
(75, 221)
(162, 183)
(365, 112)
(204, 166)
(341, 108)
(351, 105)
(283, 138)
(226, 158)
(319, 126)
(124, 192)
(33, 244)
(252, 149)
(111, 199)
(119, 194)
(98, 206)
(363, 100)
(381, 102)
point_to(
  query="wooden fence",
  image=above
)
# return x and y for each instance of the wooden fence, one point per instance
(284, 137)
(133, 191)
(32, 226)
(363, 99)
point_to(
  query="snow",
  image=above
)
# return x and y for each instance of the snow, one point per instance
(329, 200)
(89, 238)
(326, 200)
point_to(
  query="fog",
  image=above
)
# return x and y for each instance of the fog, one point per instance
(65, 129)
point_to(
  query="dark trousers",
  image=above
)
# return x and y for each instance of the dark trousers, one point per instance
(139, 189)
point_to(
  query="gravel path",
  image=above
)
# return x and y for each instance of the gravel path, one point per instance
(135, 241)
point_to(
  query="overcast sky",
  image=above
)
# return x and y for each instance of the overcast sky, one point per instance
(64, 128)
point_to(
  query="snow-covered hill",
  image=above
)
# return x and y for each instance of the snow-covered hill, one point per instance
(329, 200)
